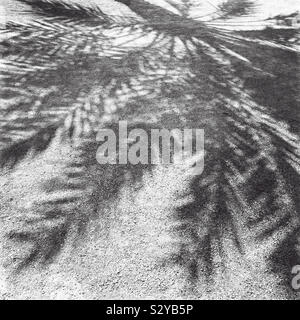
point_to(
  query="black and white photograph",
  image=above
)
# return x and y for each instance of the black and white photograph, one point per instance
(149, 150)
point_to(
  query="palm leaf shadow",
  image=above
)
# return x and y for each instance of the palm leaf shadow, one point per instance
(53, 8)
(89, 186)
(250, 167)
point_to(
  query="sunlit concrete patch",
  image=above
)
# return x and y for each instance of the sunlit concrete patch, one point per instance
(3, 283)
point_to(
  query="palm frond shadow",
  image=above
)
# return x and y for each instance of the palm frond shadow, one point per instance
(246, 203)
(287, 254)
(278, 93)
(89, 187)
(86, 15)
(248, 194)
(10, 156)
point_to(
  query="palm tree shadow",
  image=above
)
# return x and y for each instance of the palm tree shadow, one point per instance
(253, 181)
(278, 92)
(90, 187)
(238, 183)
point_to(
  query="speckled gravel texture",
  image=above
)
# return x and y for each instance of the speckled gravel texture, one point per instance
(133, 246)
